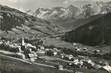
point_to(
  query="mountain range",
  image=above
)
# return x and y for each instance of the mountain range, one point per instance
(51, 23)
(57, 13)
(69, 29)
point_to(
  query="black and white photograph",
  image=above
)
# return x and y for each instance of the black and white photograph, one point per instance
(55, 36)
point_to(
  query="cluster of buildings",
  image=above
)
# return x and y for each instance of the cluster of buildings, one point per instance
(32, 53)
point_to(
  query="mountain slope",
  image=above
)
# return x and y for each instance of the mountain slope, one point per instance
(14, 23)
(95, 31)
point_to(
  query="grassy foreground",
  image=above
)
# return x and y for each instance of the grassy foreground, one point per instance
(10, 65)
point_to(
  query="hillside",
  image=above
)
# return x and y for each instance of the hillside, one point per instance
(14, 22)
(95, 31)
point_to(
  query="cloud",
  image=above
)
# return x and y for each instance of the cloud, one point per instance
(88, 0)
(13, 1)
(34, 4)
(66, 2)
(8, 2)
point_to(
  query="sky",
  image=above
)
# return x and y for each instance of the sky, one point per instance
(34, 4)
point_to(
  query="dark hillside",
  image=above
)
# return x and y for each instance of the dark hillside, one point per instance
(93, 33)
